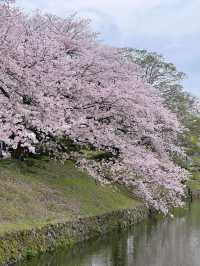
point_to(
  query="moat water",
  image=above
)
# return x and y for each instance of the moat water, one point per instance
(156, 242)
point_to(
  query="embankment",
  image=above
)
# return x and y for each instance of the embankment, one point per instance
(45, 205)
(26, 243)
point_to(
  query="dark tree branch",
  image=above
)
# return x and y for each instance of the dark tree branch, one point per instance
(4, 92)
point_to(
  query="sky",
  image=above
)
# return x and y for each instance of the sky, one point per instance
(169, 27)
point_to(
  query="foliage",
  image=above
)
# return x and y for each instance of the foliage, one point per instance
(191, 142)
(58, 82)
(165, 77)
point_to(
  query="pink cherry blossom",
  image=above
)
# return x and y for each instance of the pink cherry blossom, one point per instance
(57, 79)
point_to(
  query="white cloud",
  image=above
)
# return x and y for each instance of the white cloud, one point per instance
(155, 17)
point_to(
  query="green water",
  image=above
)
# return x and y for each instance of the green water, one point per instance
(164, 242)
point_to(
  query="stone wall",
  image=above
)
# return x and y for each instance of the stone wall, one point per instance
(18, 245)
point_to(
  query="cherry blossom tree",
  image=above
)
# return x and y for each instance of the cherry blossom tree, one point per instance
(58, 81)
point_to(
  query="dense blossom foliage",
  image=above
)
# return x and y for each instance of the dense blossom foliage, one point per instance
(57, 80)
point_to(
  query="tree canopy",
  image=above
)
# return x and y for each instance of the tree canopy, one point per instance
(58, 81)
(164, 76)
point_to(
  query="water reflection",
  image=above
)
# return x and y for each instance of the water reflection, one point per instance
(156, 243)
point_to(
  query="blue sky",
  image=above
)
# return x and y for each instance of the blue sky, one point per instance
(169, 27)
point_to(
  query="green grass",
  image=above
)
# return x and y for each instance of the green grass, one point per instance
(38, 191)
(194, 182)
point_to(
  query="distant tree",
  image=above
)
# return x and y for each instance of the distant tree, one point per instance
(165, 77)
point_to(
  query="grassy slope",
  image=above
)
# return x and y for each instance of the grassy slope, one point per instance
(39, 191)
